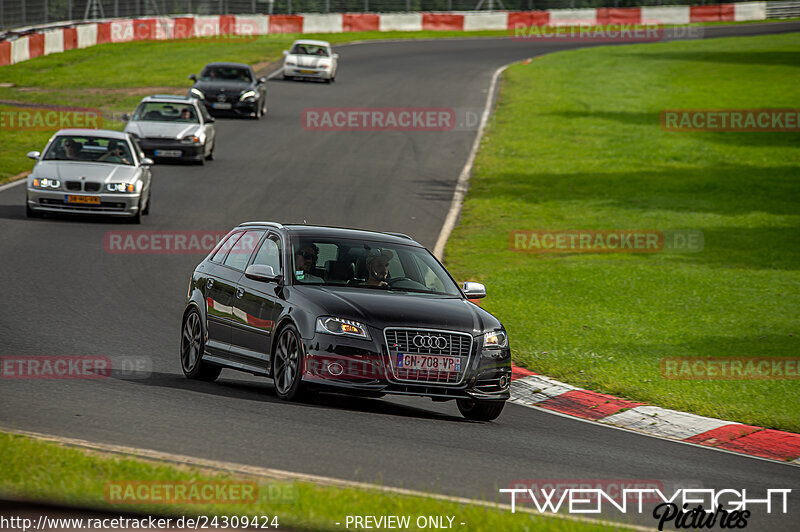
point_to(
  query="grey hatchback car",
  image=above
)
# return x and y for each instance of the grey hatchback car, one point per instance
(173, 127)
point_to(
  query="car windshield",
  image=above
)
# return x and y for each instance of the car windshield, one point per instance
(166, 112)
(369, 265)
(309, 49)
(89, 149)
(218, 73)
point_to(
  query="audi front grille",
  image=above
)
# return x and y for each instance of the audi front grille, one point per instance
(428, 342)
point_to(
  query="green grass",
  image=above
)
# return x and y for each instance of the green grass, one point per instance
(575, 144)
(47, 471)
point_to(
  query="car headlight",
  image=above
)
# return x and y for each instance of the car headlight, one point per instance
(191, 139)
(198, 93)
(121, 187)
(495, 340)
(342, 327)
(44, 182)
(251, 95)
(323, 66)
(290, 63)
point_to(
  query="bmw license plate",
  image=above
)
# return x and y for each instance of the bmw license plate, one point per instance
(428, 362)
(91, 200)
(218, 105)
(168, 153)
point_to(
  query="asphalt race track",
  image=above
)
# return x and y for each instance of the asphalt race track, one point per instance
(63, 294)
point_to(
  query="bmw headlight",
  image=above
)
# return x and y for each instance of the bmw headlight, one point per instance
(44, 182)
(126, 188)
(197, 93)
(342, 327)
(247, 95)
(495, 340)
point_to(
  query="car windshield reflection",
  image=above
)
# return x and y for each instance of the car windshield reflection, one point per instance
(370, 265)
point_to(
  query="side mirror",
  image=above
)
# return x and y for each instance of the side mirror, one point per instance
(286, 52)
(336, 56)
(193, 77)
(34, 155)
(126, 117)
(262, 272)
(262, 80)
(474, 290)
(147, 161)
(210, 120)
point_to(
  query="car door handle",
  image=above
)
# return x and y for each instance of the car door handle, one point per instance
(239, 293)
(209, 283)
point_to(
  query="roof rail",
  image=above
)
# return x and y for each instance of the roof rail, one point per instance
(401, 235)
(271, 224)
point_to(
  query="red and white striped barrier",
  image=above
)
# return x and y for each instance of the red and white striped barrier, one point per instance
(51, 41)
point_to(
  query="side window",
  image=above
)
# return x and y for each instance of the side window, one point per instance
(204, 112)
(241, 251)
(269, 254)
(225, 246)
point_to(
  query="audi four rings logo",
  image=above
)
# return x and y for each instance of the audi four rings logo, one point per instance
(439, 342)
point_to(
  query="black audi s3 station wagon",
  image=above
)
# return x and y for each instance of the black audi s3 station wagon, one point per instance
(343, 310)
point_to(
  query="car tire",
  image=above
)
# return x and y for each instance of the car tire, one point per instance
(192, 349)
(136, 218)
(287, 362)
(202, 159)
(480, 410)
(210, 156)
(30, 213)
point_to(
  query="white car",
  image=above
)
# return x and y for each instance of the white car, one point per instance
(310, 59)
(90, 171)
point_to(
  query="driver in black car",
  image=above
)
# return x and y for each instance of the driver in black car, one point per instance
(305, 260)
(378, 267)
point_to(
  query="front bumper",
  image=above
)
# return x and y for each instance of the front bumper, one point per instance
(307, 72)
(358, 366)
(111, 204)
(174, 149)
(245, 108)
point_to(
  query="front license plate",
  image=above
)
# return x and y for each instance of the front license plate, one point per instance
(168, 153)
(308, 71)
(221, 106)
(428, 362)
(92, 200)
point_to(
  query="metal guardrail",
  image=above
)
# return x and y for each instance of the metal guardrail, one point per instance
(785, 9)
(21, 13)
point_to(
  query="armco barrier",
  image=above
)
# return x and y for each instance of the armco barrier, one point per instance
(53, 40)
